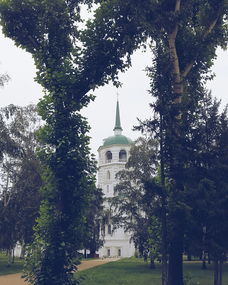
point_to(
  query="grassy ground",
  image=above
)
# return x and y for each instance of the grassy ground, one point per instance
(128, 272)
(135, 272)
(16, 267)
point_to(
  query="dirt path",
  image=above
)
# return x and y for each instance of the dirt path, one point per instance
(15, 279)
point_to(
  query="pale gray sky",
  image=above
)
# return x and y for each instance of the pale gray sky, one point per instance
(133, 96)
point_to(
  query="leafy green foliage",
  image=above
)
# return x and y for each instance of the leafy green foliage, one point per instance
(136, 198)
(20, 175)
(48, 30)
(92, 239)
(4, 78)
(209, 165)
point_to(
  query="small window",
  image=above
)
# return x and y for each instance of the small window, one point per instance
(123, 155)
(107, 188)
(108, 252)
(109, 229)
(108, 175)
(108, 156)
(119, 251)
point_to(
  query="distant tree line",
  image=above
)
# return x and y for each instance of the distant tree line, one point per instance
(20, 176)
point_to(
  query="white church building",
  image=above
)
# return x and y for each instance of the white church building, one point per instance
(113, 155)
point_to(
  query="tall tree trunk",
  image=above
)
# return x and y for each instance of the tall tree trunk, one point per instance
(164, 246)
(203, 260)
(220, 265)
(93, 246)
(175, 274)
(175, 267)
(92, 252)
(10, 257)
(85, 255)
(152, 263)
(189, 256)
(163, 210)
(204, 266)
(208, 258)
(216, 272)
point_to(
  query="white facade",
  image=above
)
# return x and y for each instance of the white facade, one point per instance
(113, 156)
(18, 250)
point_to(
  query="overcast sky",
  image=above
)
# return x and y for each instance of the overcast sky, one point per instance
(133, 96)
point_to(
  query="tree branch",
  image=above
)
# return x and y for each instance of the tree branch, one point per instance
(188, 68)
(178, 84)
(206, 33)
(177, 5)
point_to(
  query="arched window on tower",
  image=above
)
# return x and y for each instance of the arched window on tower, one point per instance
(123, 155)
(108, 175)
(108, 156)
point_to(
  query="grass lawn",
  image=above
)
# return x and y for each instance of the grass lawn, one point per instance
(135, 272)
(16, 267)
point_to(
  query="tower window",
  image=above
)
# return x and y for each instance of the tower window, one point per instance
(108, 175)
(103, 230)
(108, 156)
(123, 155)
(109, 229)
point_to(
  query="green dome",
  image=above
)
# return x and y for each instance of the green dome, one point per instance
(117, 139)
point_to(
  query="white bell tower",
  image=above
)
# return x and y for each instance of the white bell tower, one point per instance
(113, 155)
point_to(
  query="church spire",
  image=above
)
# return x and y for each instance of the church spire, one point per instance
(117, 129)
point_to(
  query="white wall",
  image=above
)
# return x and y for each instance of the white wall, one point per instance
(118, 242)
